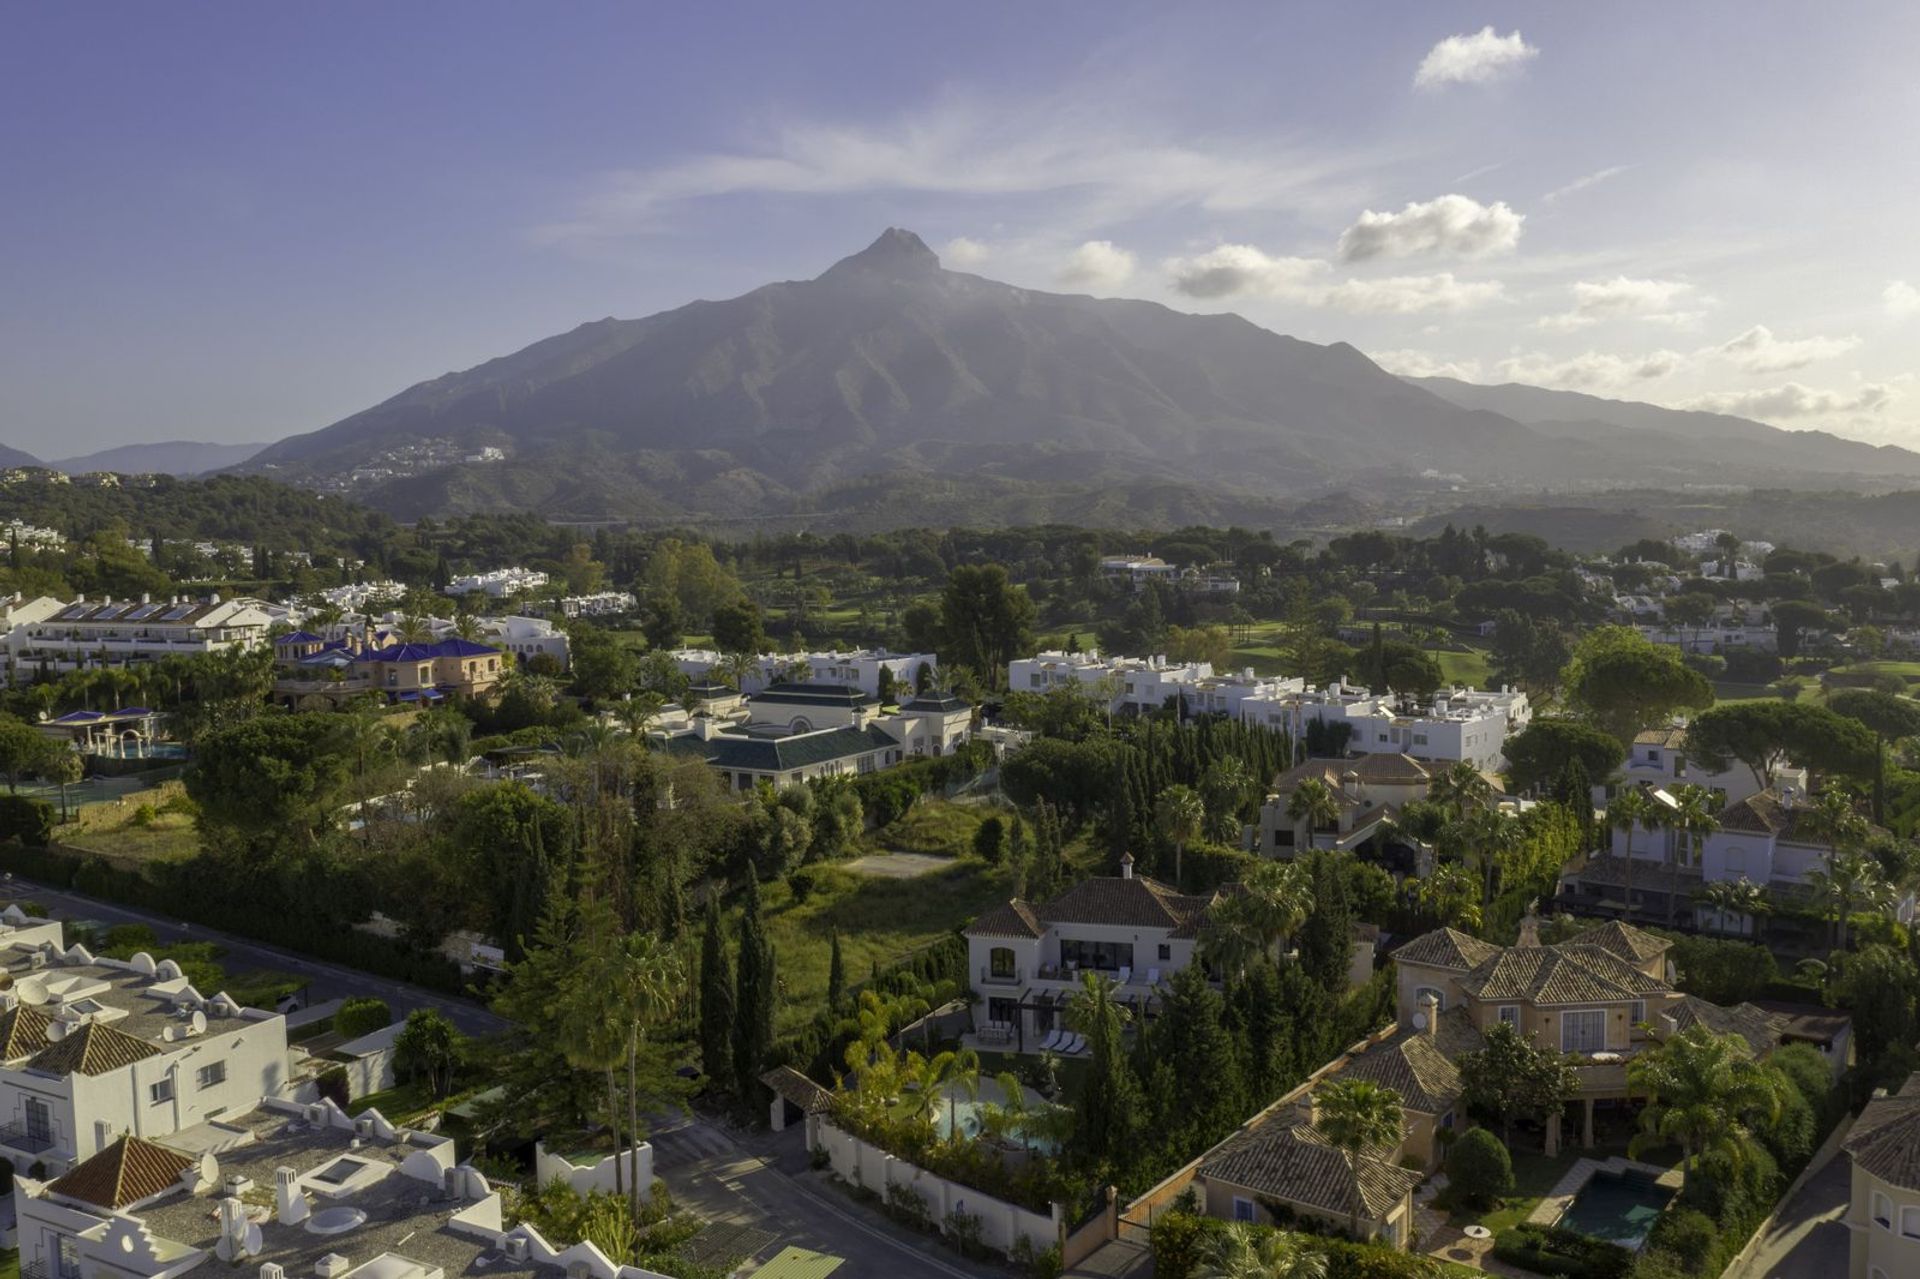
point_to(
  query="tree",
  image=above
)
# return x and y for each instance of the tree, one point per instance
(990, 840)
(753, 997)
(1224, 789)
(1763, 732)
(1623, 683)
(836, 979)
(985, 621)
(1312, 806)
(1461, 789)
(639, 975)
(1481, 1168)
(1191, 1037)
(1850, 881)
(1877, 986)
(1889, 717)
(1179, 814)
(267, 780)
(716, 1002)
(1109, 1099)
(1509, 1076)
(518, 848)
(737, 628)
(1692, 819)
(1706, 1094)
(428, 1047)
(1792, 619)
(1237, 1252)
(1540, 753)
(1275, 899)
(1451, 894)
(1354, 1116)
(1326, 934)
(361, 1015)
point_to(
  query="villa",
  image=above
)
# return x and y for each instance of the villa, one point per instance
(1455, 724)
(1883, 1211)
(337, 670)
(791, 733)
(1140, 684)
(860, 668)
(1659, 758)
(1026, 958)
(1368, 792)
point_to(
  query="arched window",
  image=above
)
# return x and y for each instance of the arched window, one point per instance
(1000, 962)
(1882, 1211)
(801, 724)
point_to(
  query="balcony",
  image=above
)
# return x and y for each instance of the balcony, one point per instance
(1004, 977)
(29, 1141)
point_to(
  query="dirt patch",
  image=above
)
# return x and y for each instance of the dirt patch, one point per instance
(898, 865)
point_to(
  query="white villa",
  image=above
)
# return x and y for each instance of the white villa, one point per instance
(791, 733)
(859, 668)
(276, 1189)
(497, 584)
(94, 1048)
(1025, 958)
(526, 637)
(56, 636)
(1141, 684)
(1456, 724)
(1659, 758)
(1883, 1211)
(1368, 792)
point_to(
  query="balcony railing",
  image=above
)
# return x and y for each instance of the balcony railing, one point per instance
(1011, 977)
(29, 1141)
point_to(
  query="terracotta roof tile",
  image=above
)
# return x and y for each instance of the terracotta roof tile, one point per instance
(126, 1172)
(1296, 1164)
(1014, 919)
(23, 1032)
(93, 1048)
(1446, 948)
(1635, 945)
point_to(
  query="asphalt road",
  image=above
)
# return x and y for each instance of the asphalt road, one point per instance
(324, 980)
(1808, 1238)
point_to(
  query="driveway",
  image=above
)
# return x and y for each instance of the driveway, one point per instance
(762, 1183)
(324, 980)
(1807, 1239)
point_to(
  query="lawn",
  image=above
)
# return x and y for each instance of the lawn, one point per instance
(10, 1264)
(1908, 671)
(1533, 1176)
(135, 827)
(877, 919)
(1470, 668)
(931, 826)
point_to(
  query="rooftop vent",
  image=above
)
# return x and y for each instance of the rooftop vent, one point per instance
(331, 1266)
(515, 1247)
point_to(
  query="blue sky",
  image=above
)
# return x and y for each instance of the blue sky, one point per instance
(238, 221)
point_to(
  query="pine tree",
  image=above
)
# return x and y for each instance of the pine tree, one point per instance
(1192, 1037)
(836, 980)
(753, 1002)
(716, 1004)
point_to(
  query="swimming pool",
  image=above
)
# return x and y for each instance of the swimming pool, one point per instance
(1619, 1207)
(957, 1110)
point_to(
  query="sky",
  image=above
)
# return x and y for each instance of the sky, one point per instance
(235, 221)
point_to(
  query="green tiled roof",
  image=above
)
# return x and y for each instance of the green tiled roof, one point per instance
(801, 750)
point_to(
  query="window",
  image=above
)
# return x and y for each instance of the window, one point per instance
(1420, 997)
(160, 1090)
(1103, 956)
(1242, 1209)
(1003, 1012)
(1446, 1120)
(39, 1120)
(1000, 962)
(1882, 1211)
(1584, 1030)
(211, 1074)
(1510, 1013)
(1639, 1011)
(1910, 1222)
(1165, 952)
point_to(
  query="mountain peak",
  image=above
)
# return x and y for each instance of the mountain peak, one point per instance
(896, 253)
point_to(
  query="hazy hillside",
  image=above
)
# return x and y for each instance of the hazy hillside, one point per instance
(172, 457)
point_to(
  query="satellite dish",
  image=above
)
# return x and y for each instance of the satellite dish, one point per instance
(199, 1023)
(33, 990)
(56, 1031)
(1419, 1021)
(209, 1169)
(254, 1239)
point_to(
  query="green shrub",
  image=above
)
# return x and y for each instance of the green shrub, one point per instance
(361, 1015)
(26, 819)
(1549, 1250)
(1479, 1169)
(1687, 1234)
(1181, 1242)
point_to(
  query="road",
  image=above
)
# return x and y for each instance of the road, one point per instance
(325, 980)
(1807, 1238)
(761, 1181)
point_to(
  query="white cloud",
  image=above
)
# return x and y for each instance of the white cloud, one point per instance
(1409, 294)
(1655, 301)
(1411, 363)
(961, 251)
(1232, 270)
(1759, 351)
(1451, 224)
(1479, 58)
(1579, 184)
(1236, 270)
(1097, 264)
(1901, 299)
(1590, 371)
(1793, 400)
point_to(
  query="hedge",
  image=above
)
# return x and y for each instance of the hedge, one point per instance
(1181, 1242)
(1549, 1250)
(26, 819)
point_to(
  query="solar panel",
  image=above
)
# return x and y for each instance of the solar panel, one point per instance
(76, 612)
(110, 612)
(144, 611)
(179, 611)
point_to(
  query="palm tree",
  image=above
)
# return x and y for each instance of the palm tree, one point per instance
(412, 628)
(1274, 901)
(1704, 1092)
(1461, 789)
(644, 976)
(1179, 815)
(1835, 819)
(734, 668)
(1354, 1115)
(1225, 788)
(1452, 894)
(638, 713)
(1692, 820)
(1314, 807)
(1740, 896)
(1484, 839)
(1627, 812)
(1239, 1253)
(1850, 879)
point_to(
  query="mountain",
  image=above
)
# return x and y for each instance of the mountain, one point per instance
(888, 378)
(1684, 436)
(14, 457)
(174, 457)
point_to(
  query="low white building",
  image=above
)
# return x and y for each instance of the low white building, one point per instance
(358, 595)
(792, 733)
(1455, 724)
(859, 668)
(54, 636)
(526, 637)
(598, 604)
(1715, 637)
(1141, 684)
(1659, 758)
(497, 583)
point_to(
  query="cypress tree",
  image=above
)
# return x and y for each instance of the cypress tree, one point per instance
(1326, 939)
(836, 979)
(753, 1003)
(1575, 792)
(716, 1004)
(1192, 1038)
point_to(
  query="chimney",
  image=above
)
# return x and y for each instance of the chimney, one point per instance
(1350, 784)
(1126, 865)
(1529, 929)
(1429, 1019)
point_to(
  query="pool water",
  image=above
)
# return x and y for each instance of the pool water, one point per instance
(962, 1112)
(1619, 1207)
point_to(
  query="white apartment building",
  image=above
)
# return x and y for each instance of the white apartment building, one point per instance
(94, 1048)
(1659, 758)
(278, 1190)
(1455, 724)
(20, 533)
(526, 637)
(54, 636)
(598, 604)
(358, 595)
(1714, 637)
(1146, 683)
(498, 583)
(859, 668)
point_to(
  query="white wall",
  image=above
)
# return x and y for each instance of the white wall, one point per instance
(1001, 1223)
